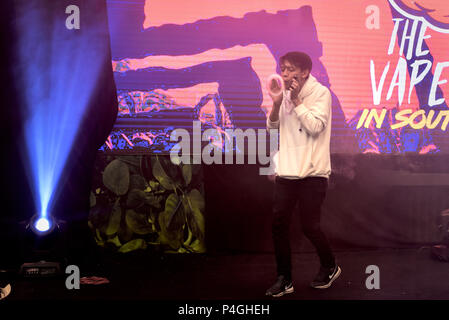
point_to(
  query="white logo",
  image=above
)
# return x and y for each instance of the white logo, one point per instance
(72, 21)
(373, 281)
(73, 280)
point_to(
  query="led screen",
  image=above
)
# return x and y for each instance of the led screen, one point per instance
(384, 61)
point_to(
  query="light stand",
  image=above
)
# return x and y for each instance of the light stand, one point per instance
(42, 247)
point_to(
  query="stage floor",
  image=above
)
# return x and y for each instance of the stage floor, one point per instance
(404, 274)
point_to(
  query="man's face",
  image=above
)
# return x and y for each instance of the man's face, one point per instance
(290, 71)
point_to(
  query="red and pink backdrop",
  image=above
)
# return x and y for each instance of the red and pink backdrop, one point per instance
(385, 62)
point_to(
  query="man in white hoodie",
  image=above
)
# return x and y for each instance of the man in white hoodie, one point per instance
(302, 113)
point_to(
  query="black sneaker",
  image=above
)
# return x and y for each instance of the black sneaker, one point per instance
(281, 287)
(325, 277)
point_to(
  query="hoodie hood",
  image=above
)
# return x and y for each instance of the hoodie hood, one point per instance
(309, 87)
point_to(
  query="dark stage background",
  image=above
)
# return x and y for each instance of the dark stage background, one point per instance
(373, 202)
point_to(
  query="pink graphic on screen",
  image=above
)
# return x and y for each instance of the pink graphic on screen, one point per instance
(210, 60)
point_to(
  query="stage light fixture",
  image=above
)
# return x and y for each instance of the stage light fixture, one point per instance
(41, 251)
(42, 225)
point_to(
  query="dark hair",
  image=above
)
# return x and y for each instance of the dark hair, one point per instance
(298, 59)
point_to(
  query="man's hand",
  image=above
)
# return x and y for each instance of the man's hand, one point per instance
(294, 90)
(275, 92)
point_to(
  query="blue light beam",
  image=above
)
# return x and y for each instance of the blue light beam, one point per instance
(59, 72)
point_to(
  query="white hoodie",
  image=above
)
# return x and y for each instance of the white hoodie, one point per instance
(304, 146)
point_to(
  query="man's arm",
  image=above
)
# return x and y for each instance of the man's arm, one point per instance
(273, 119)
(316, 117)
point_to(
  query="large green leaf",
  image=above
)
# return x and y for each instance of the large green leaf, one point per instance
(187, 173)
(197, 199)
(133, 245)
(161, 176)
(172, 237)
(154, 201)
(135, 199)
(195, 220)
(114, 219)
(138, 222)
(198, 246)
(99, 215)
(132, 161)
(116, 177)
(125, 234)
(98, 239)
(137, 182)
(170, 168)
(189, 237)
(175, 213)
(115, 241)
(194, 202)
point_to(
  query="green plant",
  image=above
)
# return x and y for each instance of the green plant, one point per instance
(147, 201)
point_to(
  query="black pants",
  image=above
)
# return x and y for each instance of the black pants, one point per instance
(310, 193)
